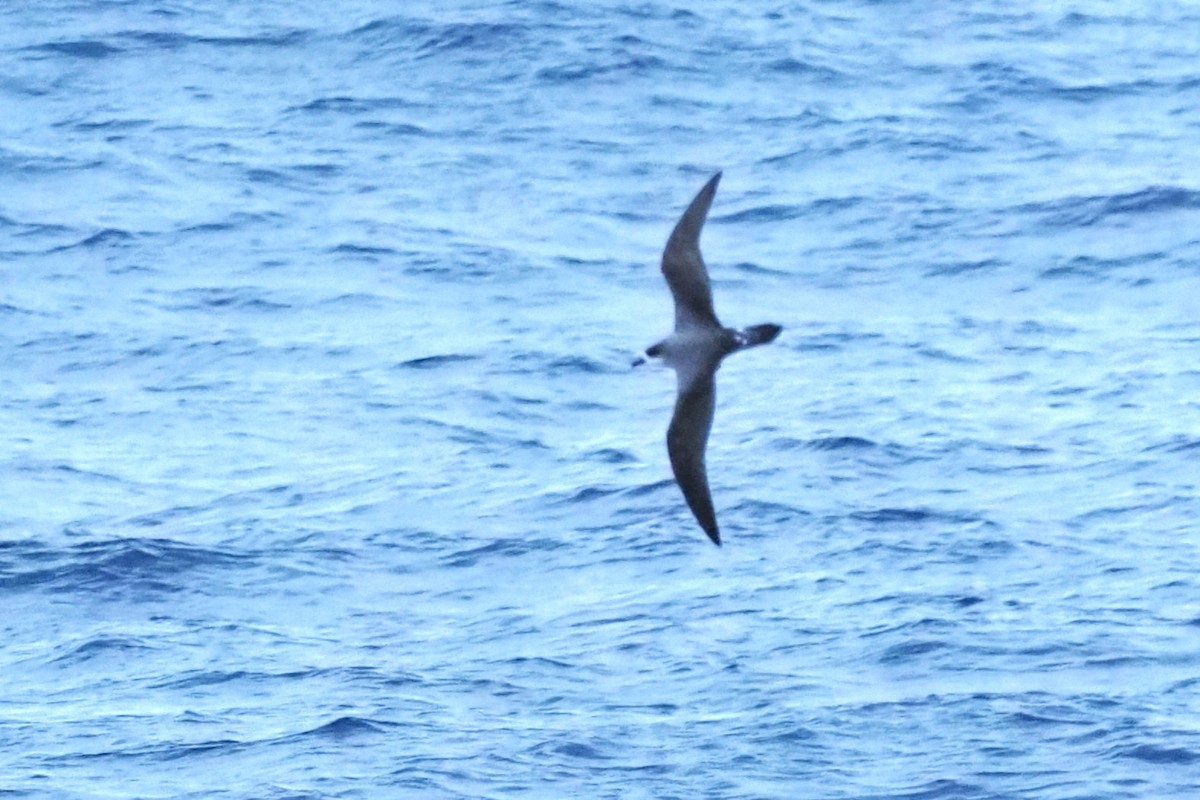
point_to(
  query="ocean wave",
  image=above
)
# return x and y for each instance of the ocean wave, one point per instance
(175, 40)
(582, 72)
(99, 647)
(500, 549)
(251, 298)
(136, 564)
(899, 516)
(1156, 754)
(841, 443)
(967, 268)
(81, 48)
(346, 727)
(106, 237)
(909, 651)
(419, 39)
(434, 362)
(1089, 210)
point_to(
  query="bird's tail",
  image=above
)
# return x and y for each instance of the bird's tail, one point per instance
(757, 334)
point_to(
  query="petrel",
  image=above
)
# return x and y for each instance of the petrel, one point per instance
(695, 351)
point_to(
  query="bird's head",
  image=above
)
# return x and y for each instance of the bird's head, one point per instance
(654, 351)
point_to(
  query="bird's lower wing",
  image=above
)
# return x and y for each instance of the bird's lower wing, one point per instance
(687, 438)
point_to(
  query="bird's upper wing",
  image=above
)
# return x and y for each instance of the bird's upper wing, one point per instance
(686, 441)
(683, 266)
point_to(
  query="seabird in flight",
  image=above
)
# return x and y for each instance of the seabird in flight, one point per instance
(695, 351)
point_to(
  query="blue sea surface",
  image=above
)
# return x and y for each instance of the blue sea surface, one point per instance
(324, 472)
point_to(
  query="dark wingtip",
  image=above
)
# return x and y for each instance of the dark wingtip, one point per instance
(715, 535)
(686, 234)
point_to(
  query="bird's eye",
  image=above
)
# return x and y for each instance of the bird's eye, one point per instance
(654, 350)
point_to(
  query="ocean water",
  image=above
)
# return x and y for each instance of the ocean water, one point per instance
(324, 473)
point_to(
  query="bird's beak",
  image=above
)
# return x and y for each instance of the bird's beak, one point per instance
(637, 362)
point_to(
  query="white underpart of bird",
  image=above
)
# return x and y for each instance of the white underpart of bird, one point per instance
(695, 350)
